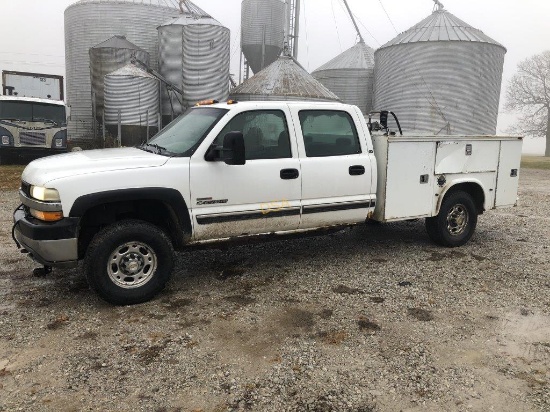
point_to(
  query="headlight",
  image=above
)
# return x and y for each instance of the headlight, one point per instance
(7, 137)
(60, 139)
(45, 194)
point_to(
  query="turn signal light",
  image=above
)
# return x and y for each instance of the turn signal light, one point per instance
(47, 216)
(232, 102)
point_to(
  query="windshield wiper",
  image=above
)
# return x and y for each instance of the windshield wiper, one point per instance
(43, 119)
(158, 149)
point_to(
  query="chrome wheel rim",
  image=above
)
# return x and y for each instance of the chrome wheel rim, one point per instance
(132, 265)
(457, 220)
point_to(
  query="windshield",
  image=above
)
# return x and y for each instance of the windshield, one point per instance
(29, 111)
(185, 134)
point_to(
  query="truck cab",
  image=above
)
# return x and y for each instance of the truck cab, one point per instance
(31, 127)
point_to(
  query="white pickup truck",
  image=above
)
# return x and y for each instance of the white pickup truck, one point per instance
(242, 169)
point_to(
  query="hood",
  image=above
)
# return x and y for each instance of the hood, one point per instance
(42, 171)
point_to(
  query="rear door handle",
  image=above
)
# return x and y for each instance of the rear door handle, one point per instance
(357, 170)
(290, 174)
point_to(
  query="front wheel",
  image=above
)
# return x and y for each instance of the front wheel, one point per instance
(456, 222)
(129, 262)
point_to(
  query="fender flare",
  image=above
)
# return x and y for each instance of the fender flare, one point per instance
(170, 197)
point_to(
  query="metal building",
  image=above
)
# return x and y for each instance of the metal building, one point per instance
(350, 76)
(131, 100)
(442, 76)
(194, 54)
(262, 32)
(89, 22)
(107, 57)
(285, 79)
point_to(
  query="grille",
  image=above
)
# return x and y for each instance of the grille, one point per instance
(33, 138)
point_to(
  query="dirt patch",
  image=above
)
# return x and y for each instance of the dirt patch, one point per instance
(422, 315)
(345, 290)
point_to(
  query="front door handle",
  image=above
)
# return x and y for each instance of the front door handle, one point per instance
(357, 170)
(290, 174)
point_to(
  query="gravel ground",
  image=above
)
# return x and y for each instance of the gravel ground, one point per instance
(374, 318)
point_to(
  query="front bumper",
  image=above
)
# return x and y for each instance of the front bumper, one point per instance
(51, 244)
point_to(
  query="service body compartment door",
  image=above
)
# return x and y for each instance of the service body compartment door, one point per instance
(466, 156)
(508, 173)
(410, 180)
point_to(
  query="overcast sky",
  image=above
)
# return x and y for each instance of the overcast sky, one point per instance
(32, 34)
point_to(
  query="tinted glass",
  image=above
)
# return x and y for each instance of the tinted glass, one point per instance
(28, 111)
(329, 133)
(184, 135)
(265, 134)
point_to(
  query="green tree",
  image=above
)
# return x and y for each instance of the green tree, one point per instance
(529, 94)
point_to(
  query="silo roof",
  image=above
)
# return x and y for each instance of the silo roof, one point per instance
(117, 42)
(284, 77)
(131, 70)
(359, 56)
(187, 19)
(441, 26)
(188, 7)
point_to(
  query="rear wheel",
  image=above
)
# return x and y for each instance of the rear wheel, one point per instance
(129, 262)
(456, 222)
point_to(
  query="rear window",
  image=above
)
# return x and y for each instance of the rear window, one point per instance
(329, 133)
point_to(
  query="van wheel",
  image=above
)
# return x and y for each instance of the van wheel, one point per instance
(456, 222)
(129, 262)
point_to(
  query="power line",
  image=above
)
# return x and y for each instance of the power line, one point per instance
(307, 39)
(388, 16)
(361, 23)
(336, 24)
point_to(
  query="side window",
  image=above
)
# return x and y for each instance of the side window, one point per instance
(329, 133)
(265, 134)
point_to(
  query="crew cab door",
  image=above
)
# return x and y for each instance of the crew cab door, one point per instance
(262, 196)
(336, 167)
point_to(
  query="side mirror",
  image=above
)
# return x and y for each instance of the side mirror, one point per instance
(233, 149)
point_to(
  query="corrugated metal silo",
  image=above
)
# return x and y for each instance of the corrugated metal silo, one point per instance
(262, 31)
(107, 57)
(89, 22)
(285, 79)
(442, 76)
(350, 76)
(194, 55)
(131, 99)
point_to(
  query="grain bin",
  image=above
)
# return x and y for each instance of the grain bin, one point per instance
(193, 55)
(442, 76)
(350, 76)
(89, 22)
(107, 57)
(131, 100)
(262, 32)
(285, 79)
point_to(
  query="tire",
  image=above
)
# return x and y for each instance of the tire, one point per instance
(456, 222)
(129, 262)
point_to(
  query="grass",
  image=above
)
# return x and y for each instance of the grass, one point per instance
(535, 162)
(10, 177)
